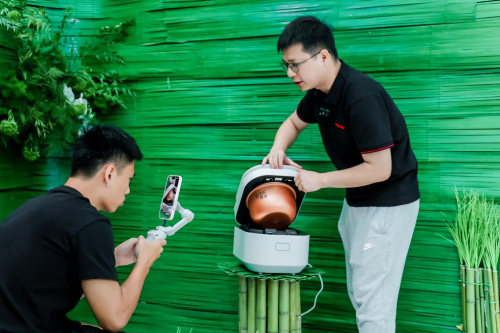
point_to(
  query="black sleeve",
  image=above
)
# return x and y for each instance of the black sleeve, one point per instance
(305, 110)
(95, 252)
(369, 124)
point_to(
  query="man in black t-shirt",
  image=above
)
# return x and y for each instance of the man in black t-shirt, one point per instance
(366, 138)
(57, 247)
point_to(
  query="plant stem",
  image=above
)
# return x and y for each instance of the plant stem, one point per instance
(469, 289)
(479, 323)
(272, 325)
(293, 308)
(251, 305)
(284, 307)
(495, 293)
(464, 303)
(299, 310)
(243, 304)
(491, 303)
(481, 299)
(261, 306)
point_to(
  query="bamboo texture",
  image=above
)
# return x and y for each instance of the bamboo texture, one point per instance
(210, 97)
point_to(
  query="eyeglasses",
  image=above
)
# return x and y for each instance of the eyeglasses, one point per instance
(294, 66)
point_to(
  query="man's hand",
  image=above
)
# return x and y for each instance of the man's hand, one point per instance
(277, 158)
(148, 252)
(124, 253)
(309, 181)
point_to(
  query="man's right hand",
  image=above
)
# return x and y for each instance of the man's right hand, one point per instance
(148, 252)
(277, 158)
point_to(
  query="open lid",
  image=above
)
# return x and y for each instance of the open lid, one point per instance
(258, 175)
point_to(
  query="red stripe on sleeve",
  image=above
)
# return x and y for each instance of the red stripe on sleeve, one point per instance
(372, 151)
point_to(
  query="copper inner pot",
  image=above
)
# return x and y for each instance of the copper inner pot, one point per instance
(272, 205)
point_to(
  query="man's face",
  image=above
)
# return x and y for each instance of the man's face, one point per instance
(118, 188)
(310, 71)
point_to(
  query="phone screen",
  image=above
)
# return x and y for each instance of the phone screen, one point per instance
(170, 197)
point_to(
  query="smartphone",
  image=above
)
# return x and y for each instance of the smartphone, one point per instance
(170, 197)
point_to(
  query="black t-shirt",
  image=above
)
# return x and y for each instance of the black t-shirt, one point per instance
(47, 247)
(358, 117)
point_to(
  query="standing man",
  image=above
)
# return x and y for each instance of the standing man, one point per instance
(366, 138)
(56, 247)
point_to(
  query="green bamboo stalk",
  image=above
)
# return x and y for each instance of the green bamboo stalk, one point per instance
(243, 305)
(299, 309)
(486, 301)
(495, 293)
(469, 289)
(491, 302)
(464, 303)
(284, 307)
(481, 300)
(477, 302)
(272, 325)
(489, 215)
(261, 306)
(251, 305)
(293, 307)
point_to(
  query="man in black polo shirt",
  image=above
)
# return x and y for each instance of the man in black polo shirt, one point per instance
(56, 247)
(367, 140)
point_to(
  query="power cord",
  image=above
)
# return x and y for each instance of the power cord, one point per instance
(319, 292)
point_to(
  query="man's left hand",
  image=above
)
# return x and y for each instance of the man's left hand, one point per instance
(308, 181)
(124, 253)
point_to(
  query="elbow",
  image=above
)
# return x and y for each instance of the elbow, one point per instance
(114, 324)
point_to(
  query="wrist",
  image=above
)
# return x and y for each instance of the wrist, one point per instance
(142, 265)
(325, 179)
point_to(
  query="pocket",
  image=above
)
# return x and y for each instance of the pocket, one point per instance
(388, 220)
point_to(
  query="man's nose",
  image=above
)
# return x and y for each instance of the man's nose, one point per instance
(290, 73)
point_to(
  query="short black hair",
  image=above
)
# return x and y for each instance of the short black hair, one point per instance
(309, 31)
(101, 144)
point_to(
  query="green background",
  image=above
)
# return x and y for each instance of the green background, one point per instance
(210, 97)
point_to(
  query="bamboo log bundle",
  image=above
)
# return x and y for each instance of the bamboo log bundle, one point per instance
(269, 303)
(269, 306)
(476, 233)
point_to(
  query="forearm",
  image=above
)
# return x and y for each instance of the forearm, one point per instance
(286, 136)
(131, 290)
(361, 175)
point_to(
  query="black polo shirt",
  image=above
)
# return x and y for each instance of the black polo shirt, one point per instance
(359, 117)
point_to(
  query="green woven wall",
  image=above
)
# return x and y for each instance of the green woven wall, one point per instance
(210, 99)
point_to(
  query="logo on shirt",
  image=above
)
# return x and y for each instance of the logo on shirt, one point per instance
(340, 126)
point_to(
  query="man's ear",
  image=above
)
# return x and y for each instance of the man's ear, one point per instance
(325, 57)
(109, 173)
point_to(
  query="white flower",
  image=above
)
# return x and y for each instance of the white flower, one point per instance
(68, 92)
(81, 104)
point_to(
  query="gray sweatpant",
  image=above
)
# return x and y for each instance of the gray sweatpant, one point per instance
(376, 242)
